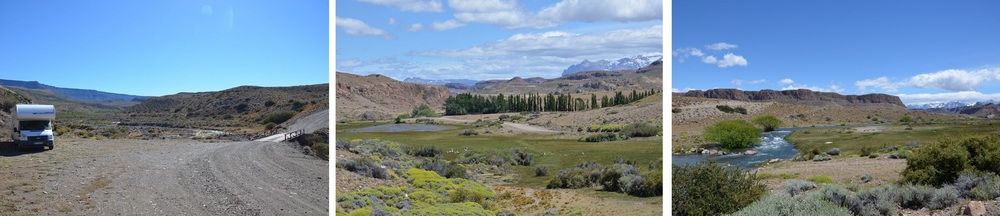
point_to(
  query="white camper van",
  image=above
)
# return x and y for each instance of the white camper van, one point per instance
(33, 125)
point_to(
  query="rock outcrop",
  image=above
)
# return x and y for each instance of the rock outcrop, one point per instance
(800, 95)
(377, 97)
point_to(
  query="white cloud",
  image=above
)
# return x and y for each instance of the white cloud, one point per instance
(949, 80)
(832, 88)
(601, 45)
(709, 60)
(683, 53)
(599, 10)
(961, 96)
(415, 27)
(508, 14)
(728, 60)
(881, 82)
(748, 82)
(955, 80)
(411, 5)
(360, 28)
(392, 21)
(348, 63)
(450, 24)
(721, 46)
(786, 81)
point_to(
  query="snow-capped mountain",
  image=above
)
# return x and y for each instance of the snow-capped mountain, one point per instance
(948, 105)
(439, 82)
(621, 64)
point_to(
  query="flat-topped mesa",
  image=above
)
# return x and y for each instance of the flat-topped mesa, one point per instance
(799, 95)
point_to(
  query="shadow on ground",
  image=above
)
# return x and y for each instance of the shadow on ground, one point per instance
(9, 149)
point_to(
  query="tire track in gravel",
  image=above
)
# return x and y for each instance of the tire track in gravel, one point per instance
(238, 178)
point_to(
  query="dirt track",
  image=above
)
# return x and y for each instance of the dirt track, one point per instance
(163, 177)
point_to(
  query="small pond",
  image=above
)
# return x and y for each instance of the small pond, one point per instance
(402, 127)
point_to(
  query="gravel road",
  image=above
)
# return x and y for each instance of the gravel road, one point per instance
(164, 177)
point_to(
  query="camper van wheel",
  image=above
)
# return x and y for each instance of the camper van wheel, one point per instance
(52, 147)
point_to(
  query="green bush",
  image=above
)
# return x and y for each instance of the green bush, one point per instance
(465, 208)
(468, 132)
(604, 137)
(936, 164)
(821, 179)
(458, 190)
(322, 150)
(279, 117)
(399, 118)
(269, 126)
(594, 128)
(914, 196)
(364, 166)
(835, 194)
(675, 110)
(712, 189)
(733, 134)
(612, 128)
(422, 111)
(882, 200)
(769, 123)
(541, 171)
(640, 129)
(425, 151)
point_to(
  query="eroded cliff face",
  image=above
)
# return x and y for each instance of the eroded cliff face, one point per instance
(377, 97)
(800, 95)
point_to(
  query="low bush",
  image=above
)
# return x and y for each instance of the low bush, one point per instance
(881, 200)
(822, 157)
(612, 128)
(835, 194)
(640, 129)
(522, 157)
(796, 186)
(833, 151)
(364, 166)
(468, 132)
(988, 187)
(867, 151)
(458, 190)
(367, 147)
(465, 208)
(594, 128)
(779, 204)
(448, 169)
(541, 171)
(425, 151)
(422, 111)
(769, 123)
(279, 117)
(943, 197)
(821, 179)
(712, 189)
(604, 137)
(728, 109)
(914, 196)
(866, 178)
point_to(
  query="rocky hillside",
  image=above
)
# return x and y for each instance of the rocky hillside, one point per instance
(377, 97)
(8, 99)
(71, 93)
(800, 96)
(649, 77)
(237, 107)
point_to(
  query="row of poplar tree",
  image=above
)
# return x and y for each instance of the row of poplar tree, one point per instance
(467, 103)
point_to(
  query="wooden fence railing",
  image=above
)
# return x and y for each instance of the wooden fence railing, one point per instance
(294, 134)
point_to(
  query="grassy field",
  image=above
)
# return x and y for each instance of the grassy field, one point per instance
(553, 151)
(852, 140)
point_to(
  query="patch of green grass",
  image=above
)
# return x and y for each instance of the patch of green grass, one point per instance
(554, 152)
(851, 142)
(778, 176)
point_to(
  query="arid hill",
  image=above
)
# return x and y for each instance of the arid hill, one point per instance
(377, 97)
(649, 77)
(8, 99)
(240, 106)
(797, 96)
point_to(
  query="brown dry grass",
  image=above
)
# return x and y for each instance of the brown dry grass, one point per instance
(841, 170)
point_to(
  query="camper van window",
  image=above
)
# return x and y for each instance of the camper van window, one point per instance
(35, 125)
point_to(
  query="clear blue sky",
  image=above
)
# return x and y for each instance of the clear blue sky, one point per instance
(479, 40)
(155, 48)
(922, 51)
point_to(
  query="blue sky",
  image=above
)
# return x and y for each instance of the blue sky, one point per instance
(155, 48)
(921, 51)
(490, 39)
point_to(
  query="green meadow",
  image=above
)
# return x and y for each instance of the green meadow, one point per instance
(554, 151)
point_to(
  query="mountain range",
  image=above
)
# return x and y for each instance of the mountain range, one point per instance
(440, 82)
(629, 63)
(945, 105)
(74, 94)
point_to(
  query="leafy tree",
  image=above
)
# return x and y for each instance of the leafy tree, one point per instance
(905, 119)
(936, 164)
(733, 134)
(769, 123)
